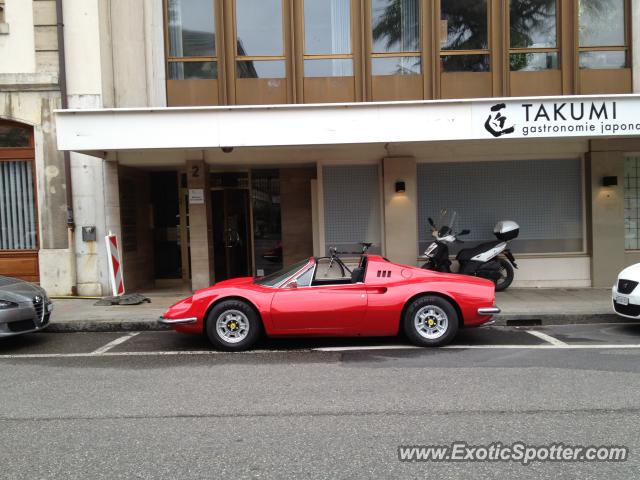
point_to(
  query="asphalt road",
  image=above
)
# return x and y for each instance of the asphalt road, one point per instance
(163, 405)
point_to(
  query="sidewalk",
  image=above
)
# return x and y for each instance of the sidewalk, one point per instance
(525, 306)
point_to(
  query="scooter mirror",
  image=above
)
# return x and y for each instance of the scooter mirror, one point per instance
(465, 232)
(431, 222)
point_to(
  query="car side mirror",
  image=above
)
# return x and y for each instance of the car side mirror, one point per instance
(293, 284)
(465, 232)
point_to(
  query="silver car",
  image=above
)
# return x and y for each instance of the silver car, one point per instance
(24, 307)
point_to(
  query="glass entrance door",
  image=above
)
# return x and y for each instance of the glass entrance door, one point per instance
(231, 228)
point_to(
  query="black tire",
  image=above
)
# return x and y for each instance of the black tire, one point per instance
(238, 313)
(435, 307)
(506, 275)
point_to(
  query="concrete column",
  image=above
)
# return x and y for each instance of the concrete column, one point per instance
(607, 217)
(295, 204)
(200, 241)
(401, 210)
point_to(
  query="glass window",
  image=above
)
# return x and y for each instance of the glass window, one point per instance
(469, 189)
(533, 23)
(632, 203)
(192, 70)
(465, 23)
(278, 277)
(327, 38)
(464, 28)
(18, 230)
(267, 223)
(261, 69)
(602, 24)
(351, 207)
(395, 29)
(327, 27)
(396, 25)
(395, 65)
(528, 62)
(14, 137)
(259, 28)
(191, 28)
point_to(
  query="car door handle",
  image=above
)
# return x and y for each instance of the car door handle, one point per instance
(378, 290)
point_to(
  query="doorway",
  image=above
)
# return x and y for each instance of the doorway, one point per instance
(231, 232)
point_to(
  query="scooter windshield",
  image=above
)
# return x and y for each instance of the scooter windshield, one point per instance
(447, 218)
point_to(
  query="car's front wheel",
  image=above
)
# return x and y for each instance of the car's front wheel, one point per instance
(233, 325)
(430, 321)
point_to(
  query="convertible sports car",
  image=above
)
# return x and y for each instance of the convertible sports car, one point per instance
(308, 299)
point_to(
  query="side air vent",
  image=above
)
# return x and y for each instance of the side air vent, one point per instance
(384, 273)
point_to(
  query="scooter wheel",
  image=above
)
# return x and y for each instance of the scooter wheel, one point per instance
(506, 275)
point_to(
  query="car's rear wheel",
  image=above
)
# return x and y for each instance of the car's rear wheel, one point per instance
(233, 325)
(430, 321)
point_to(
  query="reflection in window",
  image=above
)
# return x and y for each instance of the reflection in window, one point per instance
(261, 69)
(395, 66)
(530, 62)
(465, 63)
(602, 24)
(327, 27)
(13, 137)
(259, 27)
(533, 23)
(395, 29)
(603, 60)
(192, 70)
(396, 25)
(327, 38)
(465, 22)
(191, 28)
(267, 225)
(328, 67)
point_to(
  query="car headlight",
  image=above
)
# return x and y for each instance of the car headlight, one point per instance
(5, 304)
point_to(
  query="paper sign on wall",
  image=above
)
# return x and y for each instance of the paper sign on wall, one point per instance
(196, 196)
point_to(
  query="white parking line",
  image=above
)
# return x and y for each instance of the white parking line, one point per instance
(566, 346)
(547, 338)
(114, 343)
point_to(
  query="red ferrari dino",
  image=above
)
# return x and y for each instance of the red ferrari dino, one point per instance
(315, 298)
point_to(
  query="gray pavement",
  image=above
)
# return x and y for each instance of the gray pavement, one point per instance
(538, 305)
(163, 405)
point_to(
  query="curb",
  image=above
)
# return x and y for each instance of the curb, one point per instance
(510, 320)
(105, 326)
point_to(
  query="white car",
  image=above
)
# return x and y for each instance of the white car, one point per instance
(625, 295)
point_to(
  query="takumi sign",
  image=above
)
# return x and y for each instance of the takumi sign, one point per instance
(348, 123)
(522, 119)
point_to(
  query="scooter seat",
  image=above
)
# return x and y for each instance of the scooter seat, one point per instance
(468, 253)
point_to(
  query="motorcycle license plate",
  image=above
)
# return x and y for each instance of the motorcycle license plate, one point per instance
(622, 300)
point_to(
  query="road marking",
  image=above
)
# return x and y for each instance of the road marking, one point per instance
(632, 346)
(114, 343)
(547, 338)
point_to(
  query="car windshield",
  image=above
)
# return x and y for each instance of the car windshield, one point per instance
(280, 276)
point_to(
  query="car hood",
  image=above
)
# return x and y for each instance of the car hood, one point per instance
(631, 273)
(234, 282)
(15, 290)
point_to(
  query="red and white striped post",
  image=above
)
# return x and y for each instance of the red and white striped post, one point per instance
(115, 265)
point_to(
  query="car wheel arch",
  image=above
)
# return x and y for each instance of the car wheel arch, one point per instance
(441, 295)
(237, 298)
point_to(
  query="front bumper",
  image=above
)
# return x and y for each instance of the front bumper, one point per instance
(489, 311)
(177, 321)
(632, 308)
(24, 319)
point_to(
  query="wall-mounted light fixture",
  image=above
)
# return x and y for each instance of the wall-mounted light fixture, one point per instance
(400, 187)
(609, 181)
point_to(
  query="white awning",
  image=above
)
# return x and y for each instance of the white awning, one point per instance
(352, 123)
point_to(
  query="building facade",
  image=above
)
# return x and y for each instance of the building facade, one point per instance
(223, 138)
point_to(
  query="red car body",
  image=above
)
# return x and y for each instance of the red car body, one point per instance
(373, 307)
